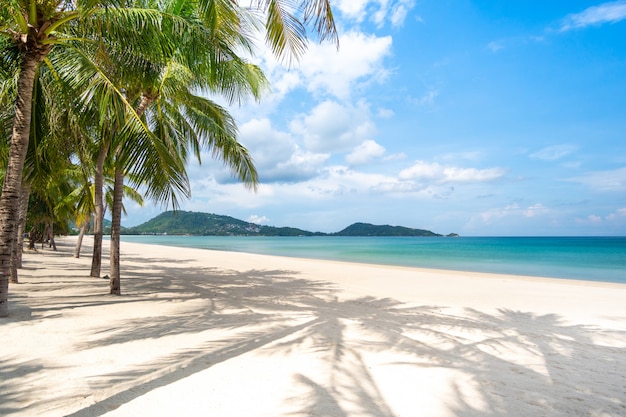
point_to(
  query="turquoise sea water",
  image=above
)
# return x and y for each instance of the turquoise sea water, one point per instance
(582, 258)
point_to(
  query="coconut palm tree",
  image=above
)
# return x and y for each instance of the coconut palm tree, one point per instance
(165, 95)
(29, 31)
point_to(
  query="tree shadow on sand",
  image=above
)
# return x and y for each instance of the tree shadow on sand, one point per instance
(372, 350)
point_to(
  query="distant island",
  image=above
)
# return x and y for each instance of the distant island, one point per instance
(207, 224)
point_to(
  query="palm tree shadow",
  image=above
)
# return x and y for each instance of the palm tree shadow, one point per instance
(505, 363)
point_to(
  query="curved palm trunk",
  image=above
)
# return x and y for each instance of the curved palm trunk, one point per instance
(96, 260)
(116, 224)
(12, 187)
(79, 241)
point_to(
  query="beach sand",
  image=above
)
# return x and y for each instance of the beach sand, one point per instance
(209, 333)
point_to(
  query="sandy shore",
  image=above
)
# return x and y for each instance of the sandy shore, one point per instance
(206, 333)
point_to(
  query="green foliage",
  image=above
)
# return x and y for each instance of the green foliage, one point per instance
(205, 224)
(365, 229)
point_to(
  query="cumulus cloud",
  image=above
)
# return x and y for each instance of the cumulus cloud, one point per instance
(553, 153)
(258, 219)
(610, 12)
(365, 152)
(332, 126)
(323, 70)
(326, 70)
(300, 165)
(277, 155)
(445, 174)
(353, 9)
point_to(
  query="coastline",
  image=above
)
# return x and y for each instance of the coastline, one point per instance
(202, 332)
(581, 258)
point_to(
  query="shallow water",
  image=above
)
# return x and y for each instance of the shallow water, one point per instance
(583, 258)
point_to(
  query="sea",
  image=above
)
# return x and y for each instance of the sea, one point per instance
(580, 258)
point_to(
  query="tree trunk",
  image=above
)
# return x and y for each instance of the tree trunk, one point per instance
(18, 247)
(96, 260)
(116, 215)
(13, 278)
(12, 187)
(79, 242)
(116, 223)
(21, 227)
(51, 243)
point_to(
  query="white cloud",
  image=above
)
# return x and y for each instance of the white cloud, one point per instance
(610, 12)
(331, 126)
(399, 12)
(617, 214)
(498, 213)
(534, 210)
(353, 9)
(552, 153)
(616, 217)
(277, 156)
(326, 70)
(301, 165)
(365, 152)
(613, 180)
(513, 210)
(445, 174)
(258, 219)
(595, 219)
(380, 11)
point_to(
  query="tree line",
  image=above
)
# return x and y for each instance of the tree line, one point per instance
(103, 98)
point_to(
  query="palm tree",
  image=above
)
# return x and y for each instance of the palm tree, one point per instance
(32, 36)
(182, 120)
(29, 30)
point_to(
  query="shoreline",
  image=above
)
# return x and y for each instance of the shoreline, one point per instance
(204, 332)
(416, 269)
(476, 255)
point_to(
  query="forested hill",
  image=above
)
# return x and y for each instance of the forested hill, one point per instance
(206, 224)
(365, 229)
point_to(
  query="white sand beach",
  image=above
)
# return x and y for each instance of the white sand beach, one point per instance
(209, 333)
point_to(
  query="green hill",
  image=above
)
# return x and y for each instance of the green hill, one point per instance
(206, 224)
(366, 229)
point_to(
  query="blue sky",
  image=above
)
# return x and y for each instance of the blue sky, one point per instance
(476, 117)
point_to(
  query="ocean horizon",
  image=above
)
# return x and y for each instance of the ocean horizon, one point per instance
(600, 259)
